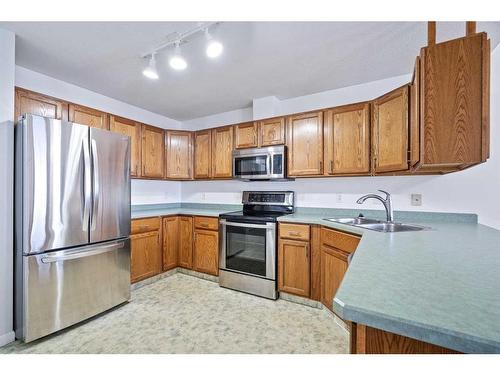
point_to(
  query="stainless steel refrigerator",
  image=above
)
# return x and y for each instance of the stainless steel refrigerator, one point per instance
(72, 212)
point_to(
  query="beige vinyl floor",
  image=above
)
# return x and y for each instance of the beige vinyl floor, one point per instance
(185, 314)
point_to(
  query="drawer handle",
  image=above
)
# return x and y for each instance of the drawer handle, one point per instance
(145, 226)
(204, 225)
(294, 234)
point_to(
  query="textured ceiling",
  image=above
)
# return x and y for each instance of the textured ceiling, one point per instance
(284, 59)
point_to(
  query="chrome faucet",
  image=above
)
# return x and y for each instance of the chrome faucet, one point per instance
(387, 202)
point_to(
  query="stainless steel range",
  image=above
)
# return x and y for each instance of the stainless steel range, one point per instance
(249, 240)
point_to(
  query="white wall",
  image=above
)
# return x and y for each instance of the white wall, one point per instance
(471, 191)
(142, 191)
(7, 56)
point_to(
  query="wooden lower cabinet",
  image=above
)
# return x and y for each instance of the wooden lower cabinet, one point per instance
(206, 251)
(145, 255)
(336, 247)
(294, 267)
(186, 242)
(170, 242)
(333, 268)
(369, 340)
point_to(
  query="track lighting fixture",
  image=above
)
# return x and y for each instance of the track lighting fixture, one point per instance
(214, 49)
(150, 71)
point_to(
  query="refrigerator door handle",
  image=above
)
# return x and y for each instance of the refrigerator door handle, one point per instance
(95, 206)
(82, 253)
(87, 182)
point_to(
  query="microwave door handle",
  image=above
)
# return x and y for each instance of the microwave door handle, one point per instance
(269, 165)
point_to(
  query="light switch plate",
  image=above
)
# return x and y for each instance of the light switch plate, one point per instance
(416, 199)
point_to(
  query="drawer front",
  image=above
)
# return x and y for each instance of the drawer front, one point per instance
(204, 222)
(145, 225)
(339, 240)
(295, 231)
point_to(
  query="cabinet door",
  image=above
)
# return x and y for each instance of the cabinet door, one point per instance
(455, 95)
(222, 152)
(145, 256)
(333, 268)
(38, 104)
(186, 242)
(170, 242)
(133, 130)
(390, 131)
(203, 154)
(415, 115)
(294, 267)
(88, 116)
(179, 155)
(272, 132)
(305, 144)
(153, 152)
(347, 139)
(245, 135)
(206, 251)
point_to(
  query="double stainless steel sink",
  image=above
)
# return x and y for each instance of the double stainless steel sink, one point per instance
(377, 225)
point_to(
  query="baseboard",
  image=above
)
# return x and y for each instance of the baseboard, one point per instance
(7, 338)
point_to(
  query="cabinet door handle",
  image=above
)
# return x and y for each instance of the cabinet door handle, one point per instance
(331, 166)
(321, 166)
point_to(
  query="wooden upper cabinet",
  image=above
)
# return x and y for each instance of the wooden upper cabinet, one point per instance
(454, 102)
(179, 154)
(37, 104)
(294, 267)
(305, 144)
(347, 139)
(272, 131)
(88, 116)
(390, 131)
(153, 154)
(245, 135)
(415, 115)
(133, 130)
(170, 242)
(222, 152)
(203, 154)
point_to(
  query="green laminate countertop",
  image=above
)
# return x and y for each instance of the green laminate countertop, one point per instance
(214, 210)
(440, 286)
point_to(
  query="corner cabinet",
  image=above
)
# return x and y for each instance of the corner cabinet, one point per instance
(305, 144)
(133, 130)
(178, 154)
(390, 132)
(222, 152)
(347, 140)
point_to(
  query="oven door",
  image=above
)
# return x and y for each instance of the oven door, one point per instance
(248, 248)
(252, 166)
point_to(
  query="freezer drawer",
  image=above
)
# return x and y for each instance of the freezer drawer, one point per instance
(65, 287)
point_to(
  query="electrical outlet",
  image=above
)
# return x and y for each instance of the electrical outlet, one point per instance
(338, 198)
(203, 196)
(416, 199)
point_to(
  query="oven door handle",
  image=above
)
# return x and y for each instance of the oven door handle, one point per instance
(246, 225)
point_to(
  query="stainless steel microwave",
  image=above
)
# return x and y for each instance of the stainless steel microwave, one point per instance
(264, 163)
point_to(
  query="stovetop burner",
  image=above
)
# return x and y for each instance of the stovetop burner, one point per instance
(263, 206)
